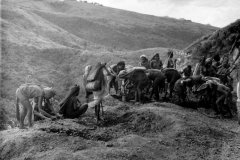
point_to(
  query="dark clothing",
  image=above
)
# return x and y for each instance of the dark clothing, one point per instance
(216, 65)
(114, 68)
(194, 81)
(145, 64)
(224, 75)
(170, 63)
(73, 108)
(187, 72)
(156, 64)
(180, 90)
(208, 71)
(70, 106)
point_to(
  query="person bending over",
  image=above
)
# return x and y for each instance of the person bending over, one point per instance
(24, 94)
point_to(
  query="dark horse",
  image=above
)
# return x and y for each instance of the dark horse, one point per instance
(172, 75)
(158, 82)
(139, 80)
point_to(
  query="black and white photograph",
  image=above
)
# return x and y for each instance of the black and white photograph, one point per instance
(120, 80)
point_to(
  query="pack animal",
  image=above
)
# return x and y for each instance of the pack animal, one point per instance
(139, 80)
(95, 83)
(172, 75)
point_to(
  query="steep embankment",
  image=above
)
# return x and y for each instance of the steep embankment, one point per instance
(220, 42)
(128, 131)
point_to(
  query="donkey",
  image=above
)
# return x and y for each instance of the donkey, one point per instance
(96, 83)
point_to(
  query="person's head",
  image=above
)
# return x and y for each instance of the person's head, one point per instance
(217, 58)
(156, 57)
(225, 61)
(49, 92)
(143, 58)
(121, 65)
(202, 60)
(208, 62)
(189, 67)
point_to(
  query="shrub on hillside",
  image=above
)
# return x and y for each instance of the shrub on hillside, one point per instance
(206, 45)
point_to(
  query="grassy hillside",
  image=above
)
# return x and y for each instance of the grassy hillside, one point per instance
(50, 42)
(116, 28)
(219, 42)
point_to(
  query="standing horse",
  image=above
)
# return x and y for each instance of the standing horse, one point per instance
(172, 75)
(96, 83)
(139, 79)
(158, 82)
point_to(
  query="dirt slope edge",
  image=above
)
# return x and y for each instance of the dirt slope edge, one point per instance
(149, 131)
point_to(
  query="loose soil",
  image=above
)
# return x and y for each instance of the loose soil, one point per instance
(128, 131)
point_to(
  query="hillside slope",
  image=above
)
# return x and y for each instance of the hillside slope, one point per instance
(38, 47)
(116, 28)
(220, 42)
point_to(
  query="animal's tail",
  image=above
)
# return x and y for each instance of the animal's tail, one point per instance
(17, 109)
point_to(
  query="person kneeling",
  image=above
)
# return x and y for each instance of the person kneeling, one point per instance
(70, 106)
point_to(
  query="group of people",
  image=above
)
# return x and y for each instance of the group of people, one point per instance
(214, 75)
(156, 62)
(34, 101)
(213, 83)
(210, 81)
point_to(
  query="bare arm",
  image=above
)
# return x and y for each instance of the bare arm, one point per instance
(37, 112)
(40, 115)
(51, 107)
(40, 99)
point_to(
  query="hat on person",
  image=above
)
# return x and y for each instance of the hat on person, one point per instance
(143, 56)
(49, 92)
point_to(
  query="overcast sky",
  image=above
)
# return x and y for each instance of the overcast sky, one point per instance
(214, 12)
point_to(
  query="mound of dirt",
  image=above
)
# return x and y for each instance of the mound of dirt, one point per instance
(149, 131)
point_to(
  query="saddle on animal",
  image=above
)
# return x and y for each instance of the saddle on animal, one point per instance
(129, 71)
(95, 72)
(94, 79)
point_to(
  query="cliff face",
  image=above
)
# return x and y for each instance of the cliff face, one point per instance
(219, 42)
